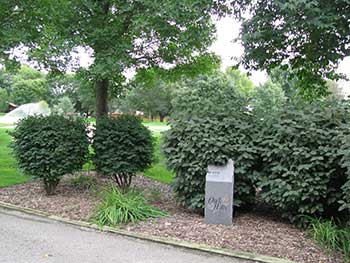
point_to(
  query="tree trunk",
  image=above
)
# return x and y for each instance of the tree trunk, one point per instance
(101, 98)
(161, 117)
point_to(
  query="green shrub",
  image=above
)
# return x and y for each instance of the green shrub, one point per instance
(345, 152)
(50, 147)
(121, 208)
(302, 161)
(123, 146)
(84, 182)
(331, 236)
(210, 125)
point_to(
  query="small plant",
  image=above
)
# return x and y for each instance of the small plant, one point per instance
(331, 236)
(84, 182)
(49, 147)
(121, 208)
(123, 147)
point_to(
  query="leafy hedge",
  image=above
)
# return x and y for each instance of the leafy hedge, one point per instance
(302, 164)
(190, 145)
(210, 126)
(50, 147)
(123, 146)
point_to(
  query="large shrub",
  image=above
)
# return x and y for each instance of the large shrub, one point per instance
(302, 163)
(123, 146)
(210, 125)
(50, 147)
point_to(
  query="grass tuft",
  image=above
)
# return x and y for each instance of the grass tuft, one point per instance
(331, 236)
(118, 208)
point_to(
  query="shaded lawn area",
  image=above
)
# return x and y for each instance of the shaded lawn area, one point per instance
(158, 170)
(9, 173)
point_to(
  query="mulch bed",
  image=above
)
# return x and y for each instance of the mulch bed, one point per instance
(251, 232)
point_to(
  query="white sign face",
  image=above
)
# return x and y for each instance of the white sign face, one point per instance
(220, 173)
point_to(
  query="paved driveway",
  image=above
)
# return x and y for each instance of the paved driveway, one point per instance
(31, 239)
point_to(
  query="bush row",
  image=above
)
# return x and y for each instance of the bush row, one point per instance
(49, 147)
(299, 158)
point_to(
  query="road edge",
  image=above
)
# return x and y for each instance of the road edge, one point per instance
(161, 240)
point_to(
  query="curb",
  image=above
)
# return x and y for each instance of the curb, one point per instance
(165, 241)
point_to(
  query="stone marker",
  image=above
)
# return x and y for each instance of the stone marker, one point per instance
(219, 194)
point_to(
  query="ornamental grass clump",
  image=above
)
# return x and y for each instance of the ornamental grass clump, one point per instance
(49, 147)
(123, 147)
(331, 235)
(120, 208)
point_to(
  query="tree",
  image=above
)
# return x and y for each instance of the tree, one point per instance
(121, 34)
(242, 82)
(155, 100)
(267, 99)
(28, 85)
(3, 100)
(64, 106)
(310, 36)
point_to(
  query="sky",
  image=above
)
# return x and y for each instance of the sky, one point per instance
(227, 49)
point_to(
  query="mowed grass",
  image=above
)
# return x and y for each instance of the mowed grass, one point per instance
(158, 171)
(9, 172)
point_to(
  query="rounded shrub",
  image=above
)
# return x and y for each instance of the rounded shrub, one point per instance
(123, 147)
(210, 125)
(49, 147)
(302, 160)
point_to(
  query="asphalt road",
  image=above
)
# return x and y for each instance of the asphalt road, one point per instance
(31, 239)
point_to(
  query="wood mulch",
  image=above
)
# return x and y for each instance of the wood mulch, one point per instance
(254, 232)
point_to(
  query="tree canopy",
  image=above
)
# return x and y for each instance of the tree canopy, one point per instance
(121, 34)
(310, 36)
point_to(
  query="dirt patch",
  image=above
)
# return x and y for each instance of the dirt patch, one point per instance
(251, 232)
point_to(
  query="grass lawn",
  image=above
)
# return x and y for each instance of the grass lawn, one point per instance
(154, 123)
(9, 173)
(158, 170)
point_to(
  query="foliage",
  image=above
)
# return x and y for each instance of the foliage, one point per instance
(206, 97)
(241, 81)
(119, 34)
(329, 235)
(210, 126)
(121, 208)
(267, 100)
(84, 182)
(311, 36)
(28, 85)
(123, 146)
(64, 106)
(50, 147)
(153, 100)
(3, 100)
(302, 172)
(9, 171)
(345, 162)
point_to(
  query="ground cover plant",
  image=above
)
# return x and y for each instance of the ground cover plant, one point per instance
(123, 147)
(9, 172)
(50, 147)
(119, 207)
